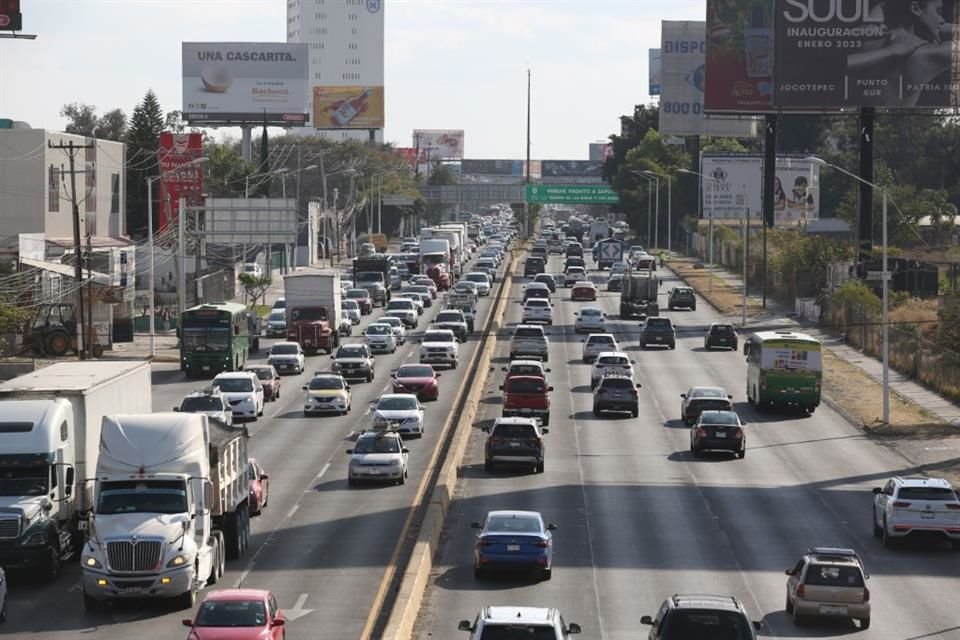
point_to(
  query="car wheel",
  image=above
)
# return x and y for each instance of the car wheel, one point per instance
(742, 453)
(546, 574)
(479, 573)
(788, 606)
(351, 482)
(539, 467)
(635, 412)
(403, 478)
(877, 531)
(864, 623)
(670, 307)
(798, 620)
(697, 452)
(596, 411)
(673, 345)
(307, 414)
(487, 466)
(546, 419)
(885, 536)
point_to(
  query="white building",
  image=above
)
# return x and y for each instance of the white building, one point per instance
(345, 39)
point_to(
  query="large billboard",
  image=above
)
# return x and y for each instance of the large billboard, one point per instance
(178, 181)
(491, 167)
(236, 82)
(439, 144)
(600, 151)
(348, 107)
(571, 171)
(739, 56)
(655, 72)
(866, 53)
(683, 50)
(734, 182)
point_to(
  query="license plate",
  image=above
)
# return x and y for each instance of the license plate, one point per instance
(206, 367)
(832, 610)
(659, 338)
(928, 514)
(617, 394)
(720, 434)
(133, 589)
(374, 472)
(514, 444)
(525, 410)
(513, 547)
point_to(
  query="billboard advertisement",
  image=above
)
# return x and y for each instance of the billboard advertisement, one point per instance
(739, 56)
(866, 53)
(571, 171)
(492, 167)
(350, 107)
(683, 50)
(439, 144)
(233, 82)
(176, 150)
(600, 151)
(655, 72)
(735, 183)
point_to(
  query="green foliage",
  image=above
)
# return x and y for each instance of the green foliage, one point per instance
(899, 298)
(949, 325)
(143, 140)
(440, 175)
(13, 319)
(798, 253)
(722, 145)
(82, 120)
(856, 292)
(255, 288)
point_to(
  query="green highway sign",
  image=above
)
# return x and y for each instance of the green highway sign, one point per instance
(571, 194)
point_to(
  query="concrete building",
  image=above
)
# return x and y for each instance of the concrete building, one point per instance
(345, 38)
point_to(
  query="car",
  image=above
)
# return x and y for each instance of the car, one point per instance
(481, 280)
(405, 309)
(244, 392)
(573, 249)
(327, 393)
(698, 399)
(279, 303)
(345, 328)
(618, 268)
(658, 331)
(487, 266)
(238, 614)
(597, 343)
(610, 361)
(352, 309)
(354, 361)
(426, 296)
(252, 269)
(555, 245)
(425, 281)
(467, 287)
(259, 487)
(573, 275)
(529, 340)
(536, 290)
(718, 431)
(513, 539)
(583, 290)
(615, 282)
(419, 379)
(400, 412)
(616, 391)
(3, 596)
(454, 320)
(828, 582)
(209, 401)
(689, 617)
(682, 297)
(547, 279)
(363, 299)
(269, 379)
(378, 456)
(526, 397)
(439, 346)
(416, 298)
(492, 255)
(276, 323)
(590, 319)
(575, 261)
(539, 250)
(380, 338)
(533, 368)
(287, 357)
(720, 335)
(537, 310)
(533, 265)
(468, 311)
(399, 332)
(921, 507)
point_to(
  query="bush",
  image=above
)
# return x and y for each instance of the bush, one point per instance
(856, 292)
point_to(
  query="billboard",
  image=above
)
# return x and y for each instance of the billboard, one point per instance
(571, 171)
(233, 82)
(654, 72)
(349, 107)
(739, 56)
(176, 150)
(735, 183)
(683, 50)
(491, 167)
(250, 221)
(864, 53)
(600, 151)
(439, 144)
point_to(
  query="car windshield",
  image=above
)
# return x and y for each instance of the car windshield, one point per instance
(529, 332)
(284, 350)
(725, 418)
(350, 305)
(617, 383)
(232, 613)
(449, 316)
(357, 294)
(277, 316)
(199, 404)
(658, 323)
(722, 330)
(683, 292)
(477, 277)
(377, 445)
(397, 404)
(687, 624)
(517, 631)
(379, 330)
(326, 383)
(415, 371)
(926, 493)
(234, 385)
(594, 340)
(24, 482)
(513, 524)
(525, 370)
(538, 303)
(516, 385)
(591, 312)
(612, 360)
(400, 305)
(309, 315)
(394, 323)
(514, 431)
(829, 575)
(142, 496)
(707, 393)
(351, 352)
(420, 289)
(438, 336)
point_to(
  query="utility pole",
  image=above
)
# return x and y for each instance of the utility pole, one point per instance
(526, 205)
(90, 296)
(72, 150)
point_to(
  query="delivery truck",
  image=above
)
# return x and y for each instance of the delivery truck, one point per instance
(313, 309)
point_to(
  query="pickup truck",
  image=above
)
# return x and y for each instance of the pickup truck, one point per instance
(526, 397)
(529, 340)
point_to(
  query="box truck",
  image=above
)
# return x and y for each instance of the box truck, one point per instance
(313, 309)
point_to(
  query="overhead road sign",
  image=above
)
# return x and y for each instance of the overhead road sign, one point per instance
(571, 194)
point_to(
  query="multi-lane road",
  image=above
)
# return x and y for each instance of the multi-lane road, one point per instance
(640, 518)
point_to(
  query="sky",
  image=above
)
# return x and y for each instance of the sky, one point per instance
(458, 64)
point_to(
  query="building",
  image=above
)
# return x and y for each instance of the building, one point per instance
(345, 38)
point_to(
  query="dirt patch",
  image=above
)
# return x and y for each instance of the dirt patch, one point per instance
(723, 296)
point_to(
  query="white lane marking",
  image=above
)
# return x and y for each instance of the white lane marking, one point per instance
(292, 511)
(297, 611)
(246, 572)
(322, 471)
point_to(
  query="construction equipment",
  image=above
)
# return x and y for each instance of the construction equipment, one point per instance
(54, 332)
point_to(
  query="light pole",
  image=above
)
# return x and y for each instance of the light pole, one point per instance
(152, 294)
(710, 234)
(885, 278)
(669, 207)
(283, 173)
(643, 174)
(246, 185)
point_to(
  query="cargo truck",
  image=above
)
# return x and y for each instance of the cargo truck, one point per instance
(607, 253)
(373, 274)
(435, 251)
(638, 295)
(49, 444)
(171, 504)
(313, 309)
(456, 233)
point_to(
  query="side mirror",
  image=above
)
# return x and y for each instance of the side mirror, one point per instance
(639, 385)
(176, 408)
(474, 525)
(264, 476)
(633, 362)
(646, 620)
(573, 628)
(757, 625)
(304, 387)
(332, 356)
(437, 374)
(187, 622)
(278, 622)
(501, 387)
(877, 491)
(350, 451)
(551, 527)
(404, 450)
(48, 506)
(683, 395)
(788, 572)
(465, 626)
(547, 370)
(549, 388)
(545, 430)
(347, 387)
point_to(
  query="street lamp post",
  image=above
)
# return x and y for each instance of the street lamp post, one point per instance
(246, 185)
(885, 278)
(643, 174)
(669, 208)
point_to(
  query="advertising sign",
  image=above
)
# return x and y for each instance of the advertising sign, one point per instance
(791, 356)
(439, 144)
(866, 53)
(571, 171)
(739, 60)
(655, 72)
(683, 50)
(492, 167)
(735, 183)
(348, 107)
(600, 151)
(571, 194)
(176, 150)
(10, 17)
(231, 82)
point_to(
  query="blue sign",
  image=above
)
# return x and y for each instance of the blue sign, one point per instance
(373, 6)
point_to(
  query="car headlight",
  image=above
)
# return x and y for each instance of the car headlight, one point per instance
(91, 562)
(180, 560)
(395, 463)
(336, 366)
(40, 537)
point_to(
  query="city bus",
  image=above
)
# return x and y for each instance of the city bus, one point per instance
(214, 338)
(784, 368)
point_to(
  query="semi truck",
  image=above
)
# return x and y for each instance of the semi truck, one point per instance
(607, 253)
(49, 443)
(373, 274)
(171, 505)
(456, 235)
(435, 251)
(638, 295)
(313, 309)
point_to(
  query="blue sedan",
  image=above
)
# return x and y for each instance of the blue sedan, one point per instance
(513, 539)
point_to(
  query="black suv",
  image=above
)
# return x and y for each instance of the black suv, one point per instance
(547, 279)
(658, 331)
(696, 616)
(533, 266)
(515, 441)
(573, 250)
(682, 297)
(720, 335)
(616, 392)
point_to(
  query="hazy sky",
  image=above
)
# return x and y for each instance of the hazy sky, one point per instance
(457, 64)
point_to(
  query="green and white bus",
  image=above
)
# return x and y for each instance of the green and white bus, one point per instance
(214, 338)
(784, 368)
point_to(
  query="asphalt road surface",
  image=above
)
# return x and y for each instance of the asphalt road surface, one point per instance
(641, 519)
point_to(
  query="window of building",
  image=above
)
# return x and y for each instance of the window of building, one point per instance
(53, 190)
(114, 193)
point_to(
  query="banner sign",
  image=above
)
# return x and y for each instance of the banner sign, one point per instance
(655, 72)
(600, 151)
(176, 150)
(491, 167)
(739, 56)
(438, 144)
(571, 194)
(349, 107)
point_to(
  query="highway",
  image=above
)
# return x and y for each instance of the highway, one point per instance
(641, 519)
(320, 546)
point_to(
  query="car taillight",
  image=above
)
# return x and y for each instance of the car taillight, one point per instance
(801, 592)
(533, 442)
(701, 432)
(866, 594)
(738, 432)
(953, 506)
(483, 542)
(496, 440)
(900, 505)
(540, 543)
(763, 381)
(817, 386)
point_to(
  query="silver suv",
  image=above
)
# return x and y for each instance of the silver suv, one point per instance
(529, 340)
(519, 622)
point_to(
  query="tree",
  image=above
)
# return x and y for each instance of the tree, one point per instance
(254, 286)
(143, 140)
(440, 175)
(174, 122)
(225, 170)
(632, 131)
(81, 118)
(112, 126)
(264, 190)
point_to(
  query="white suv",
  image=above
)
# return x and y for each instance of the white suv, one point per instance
(439, 346)
(516, 622)
(286, 357)
(917, 507)
(537, 310)
(597, 343)
(610, 361)
(244, 392)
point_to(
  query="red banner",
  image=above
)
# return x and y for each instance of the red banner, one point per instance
(177, 150)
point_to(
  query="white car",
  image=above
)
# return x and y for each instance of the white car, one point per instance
(618, 268)
(400, 412)
(916, 506)
(253, 269)
(286, 357)
(466, 287)
(346, 325)
(3, 596)
(426, 282)
(590, 319)
(412, 297)
(403, 309)
(244, 392)
(426, 295)
(326, 393)
(379, 337)
(378, 456)
(397, 325)
(610, 361)
(482, 280)
(352, 309)
(537, 310)
(573, 275)
(439, 346)
(597, 343)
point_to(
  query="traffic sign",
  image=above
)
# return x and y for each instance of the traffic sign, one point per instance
(878, 275)
(611, 249)
(571, 194)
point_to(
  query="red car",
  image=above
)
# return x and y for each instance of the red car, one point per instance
(583, 291)
(526, 397)
(259, 486)
(269, 378)
(420, 379)
(237, 614)
(364, 301)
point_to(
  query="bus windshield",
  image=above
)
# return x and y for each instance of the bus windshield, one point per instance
(206, 339)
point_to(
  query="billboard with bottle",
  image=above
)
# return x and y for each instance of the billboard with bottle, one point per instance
(349, 107)
(739, 56)
(439, 144)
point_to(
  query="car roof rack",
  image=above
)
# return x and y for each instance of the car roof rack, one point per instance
(835, 552)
